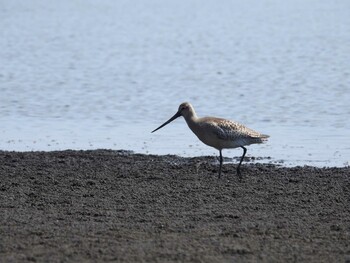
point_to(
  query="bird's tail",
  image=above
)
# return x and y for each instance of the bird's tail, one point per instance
(264, 136)
(261, 138)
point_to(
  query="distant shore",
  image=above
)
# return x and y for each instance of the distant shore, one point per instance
(114, 205)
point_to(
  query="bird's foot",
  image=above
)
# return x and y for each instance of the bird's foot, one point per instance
(219, 175)
(239, 174)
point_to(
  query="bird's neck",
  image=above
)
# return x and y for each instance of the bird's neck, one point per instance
(191, 120)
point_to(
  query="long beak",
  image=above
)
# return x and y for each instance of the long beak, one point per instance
(178, 114)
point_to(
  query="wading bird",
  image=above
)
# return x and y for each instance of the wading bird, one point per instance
(218, 133)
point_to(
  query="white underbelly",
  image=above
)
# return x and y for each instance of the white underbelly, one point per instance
(220, 144)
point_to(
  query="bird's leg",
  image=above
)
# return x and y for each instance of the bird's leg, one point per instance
(239, 165)
(220, 164)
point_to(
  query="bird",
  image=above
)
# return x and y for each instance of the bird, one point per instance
(218, 133)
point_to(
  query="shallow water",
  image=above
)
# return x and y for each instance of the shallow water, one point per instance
(87, 74)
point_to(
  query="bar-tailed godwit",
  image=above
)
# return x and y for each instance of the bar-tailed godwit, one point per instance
(218, 133)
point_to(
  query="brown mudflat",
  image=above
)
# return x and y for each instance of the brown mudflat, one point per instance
(111, 205)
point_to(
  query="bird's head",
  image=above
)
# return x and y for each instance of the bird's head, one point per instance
(185, 109)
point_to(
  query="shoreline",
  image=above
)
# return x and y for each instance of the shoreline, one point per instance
(100, 205)
(228, 158)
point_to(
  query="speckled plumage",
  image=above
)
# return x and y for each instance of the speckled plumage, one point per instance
(230, 130)
(217, 132)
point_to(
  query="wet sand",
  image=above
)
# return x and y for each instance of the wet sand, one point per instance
(116, 206)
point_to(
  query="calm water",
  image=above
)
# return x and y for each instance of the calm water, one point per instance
(103, 74)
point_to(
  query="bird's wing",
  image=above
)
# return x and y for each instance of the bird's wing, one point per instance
(230, 130)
